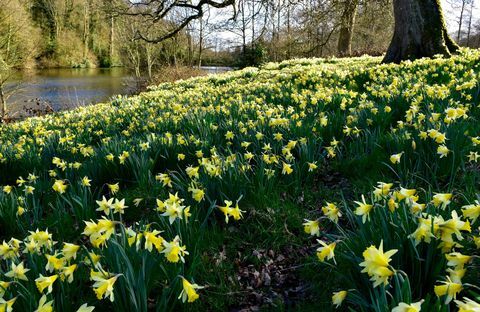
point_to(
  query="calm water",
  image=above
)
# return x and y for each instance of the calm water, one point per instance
(68, 88)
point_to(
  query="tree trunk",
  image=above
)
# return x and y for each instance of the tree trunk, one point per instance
(137, 63)
(344, 47)
(111, 44)
(200, 45)
(86, 28)
(460, 22)
(277, 37)
(420, 31)
(244, 31)
(289, 43)
(149, 59)
(3, 105)
(253, 21)
(470, 23)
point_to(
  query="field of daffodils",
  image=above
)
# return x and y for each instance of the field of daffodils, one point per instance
(367, 174)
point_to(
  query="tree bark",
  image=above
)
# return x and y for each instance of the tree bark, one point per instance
(111, 43)
(470, 23)
(460, 22)
(3, 104)
(420, 31)
(244, 30)
(345, 36)
(289, 37)
(149, 59)
(86, 28)
(200, 44)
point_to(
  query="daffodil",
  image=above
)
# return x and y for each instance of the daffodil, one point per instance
(453, 226)
(17, 272)
(85, 308)
(59, 186)
(54, 263)
(3, 287)
(472, 211)
(229, 135)
(449, 288)
(152, 238)
(103, 286)
(473, 156)
(43, 282)
(189, 291)
(457, 260)
(312, 227)
(173, 211)
(236, 213)
(197, 193)
(20, 181)
(363, 209)
(114, 188)
(41, 238)
(338, 298)
(67, 272)
(230, 211)
(395, 158)
(20, 211)
(123, 157)
(69, 251)
(404, 194)
(173, 251)
(7, 189)
(165, 179)
(105, 205)
(326, 251)
(193, 172)
(29, 189)
(441, 200)
(86, 181)
(332, 212)
(119, 206)
(456, 274)
(137, 201)
(382, 190)
(110, 157)
(443, 151)
(44, 305)
(99, 233)
(7, 305)
(226, 209)
(376, 264)
(467, 305)
(405, 307)
(423, 231)
(392, 204)
(287, 169)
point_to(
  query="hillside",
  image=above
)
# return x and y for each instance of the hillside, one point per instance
(209, 180)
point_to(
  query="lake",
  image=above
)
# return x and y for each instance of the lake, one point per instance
(65, 88)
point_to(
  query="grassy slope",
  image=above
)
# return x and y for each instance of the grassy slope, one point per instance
(270, 239)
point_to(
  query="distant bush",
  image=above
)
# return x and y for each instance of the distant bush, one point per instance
(173, 73)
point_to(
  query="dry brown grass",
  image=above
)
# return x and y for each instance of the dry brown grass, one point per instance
(173, 73)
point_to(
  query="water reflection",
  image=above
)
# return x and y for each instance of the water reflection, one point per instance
(67, 88)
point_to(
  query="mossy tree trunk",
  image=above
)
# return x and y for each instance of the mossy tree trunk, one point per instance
(345, 35)
(3, 105)
(420, 31)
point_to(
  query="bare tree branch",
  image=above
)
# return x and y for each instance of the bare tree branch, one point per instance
(155, 11)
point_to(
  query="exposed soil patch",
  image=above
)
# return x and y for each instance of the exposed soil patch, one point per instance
(273, 280)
